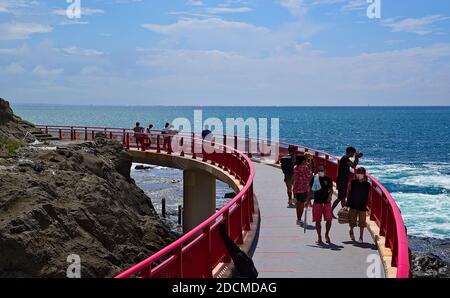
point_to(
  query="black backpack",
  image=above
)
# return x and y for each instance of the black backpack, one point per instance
(287, 164)
(243, 263)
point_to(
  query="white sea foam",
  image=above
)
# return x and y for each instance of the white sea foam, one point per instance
(425, 214)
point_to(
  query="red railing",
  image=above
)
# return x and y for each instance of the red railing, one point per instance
(199, 251)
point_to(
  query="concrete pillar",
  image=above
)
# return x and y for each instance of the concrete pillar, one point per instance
(199, 198)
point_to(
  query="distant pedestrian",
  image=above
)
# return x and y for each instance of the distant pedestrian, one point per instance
(344, 174)
(206, 132)
(150, 128)
(310, 161)
(287, 166)
(358, 196)
(165, 132)
(138, 134)
(322, 204)
(302, 177)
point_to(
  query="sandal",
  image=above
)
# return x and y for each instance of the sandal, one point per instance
(318, 242)
(327, 240)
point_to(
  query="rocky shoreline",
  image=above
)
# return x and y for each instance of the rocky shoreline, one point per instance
(430, 257)
(77, 199)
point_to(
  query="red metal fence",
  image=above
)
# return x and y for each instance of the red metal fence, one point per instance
(199, 251)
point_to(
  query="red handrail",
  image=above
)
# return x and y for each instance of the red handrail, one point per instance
(236, 213)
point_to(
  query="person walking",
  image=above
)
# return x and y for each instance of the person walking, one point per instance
(287, 166)
(302, 177)
(359, 196)
(322, 204)
(344, 174)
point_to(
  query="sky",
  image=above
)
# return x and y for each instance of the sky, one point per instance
(228, 52)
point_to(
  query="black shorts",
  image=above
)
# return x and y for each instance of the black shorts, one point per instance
(342, 187)
(301, 197)
(288, 178)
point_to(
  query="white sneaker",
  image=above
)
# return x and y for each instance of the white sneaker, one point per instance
(290, 206)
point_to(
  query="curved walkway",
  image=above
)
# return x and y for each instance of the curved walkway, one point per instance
(284, 250)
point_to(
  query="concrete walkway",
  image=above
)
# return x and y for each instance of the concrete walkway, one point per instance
(284, 250)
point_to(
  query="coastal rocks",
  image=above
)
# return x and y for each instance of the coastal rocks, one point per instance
(79, 200)
(6, 113)
(429, 266)
(430, 257)
(13, 128)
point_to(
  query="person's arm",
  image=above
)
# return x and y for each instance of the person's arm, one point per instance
(330, 192)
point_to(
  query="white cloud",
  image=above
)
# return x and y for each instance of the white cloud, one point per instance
(43, 72)
(421, 26)
(222, 10)
(11, 31)
(295, 7)
(82, 52)
(12, 69)
(194, 3)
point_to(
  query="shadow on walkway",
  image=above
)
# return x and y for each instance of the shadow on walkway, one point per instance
(364, 245)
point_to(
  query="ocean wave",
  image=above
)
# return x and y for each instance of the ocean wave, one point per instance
(425, 215)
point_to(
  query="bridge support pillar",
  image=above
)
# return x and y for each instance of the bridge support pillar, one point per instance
(199, 198)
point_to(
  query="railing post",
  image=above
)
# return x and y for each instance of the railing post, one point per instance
(46, 129)
(128, 141)
(71, 133)
(239, 210)
(75, 134)
(146, 272)
(226, 221)
(169, 145)
(179, 253)
(85, 134)
(194, 155)
(60, 134)
(235, 143)
(124, 140)
(158, 144)
(208, 265)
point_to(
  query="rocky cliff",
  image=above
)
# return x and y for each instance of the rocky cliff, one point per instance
(76, 200)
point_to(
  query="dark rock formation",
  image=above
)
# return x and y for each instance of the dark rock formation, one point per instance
(12, 126)
(78, 199)
(430, 257)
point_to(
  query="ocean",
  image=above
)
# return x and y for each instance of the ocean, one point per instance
(406, 148)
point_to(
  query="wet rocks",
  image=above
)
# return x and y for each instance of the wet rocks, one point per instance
(430, 257)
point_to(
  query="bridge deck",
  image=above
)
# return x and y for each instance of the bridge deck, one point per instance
(284, 250)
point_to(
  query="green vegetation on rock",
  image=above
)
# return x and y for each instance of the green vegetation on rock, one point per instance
(10, 145)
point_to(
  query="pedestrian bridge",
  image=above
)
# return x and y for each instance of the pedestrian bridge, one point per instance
(256, 218)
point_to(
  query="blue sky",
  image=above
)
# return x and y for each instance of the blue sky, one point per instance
(229, 52)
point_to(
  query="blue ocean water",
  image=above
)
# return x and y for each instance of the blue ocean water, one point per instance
(406, 148)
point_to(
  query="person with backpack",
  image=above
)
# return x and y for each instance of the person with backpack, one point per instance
(287, 166)
(359, 195)
(302, 177)
(323, 194)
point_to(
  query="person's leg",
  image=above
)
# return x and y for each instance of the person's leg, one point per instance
(300, 206)
(289, 184)
(319, 232)
(352, 217)
(327, 231)
(317, 218)
(300, 209)
(328, 217)
(362, 224)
